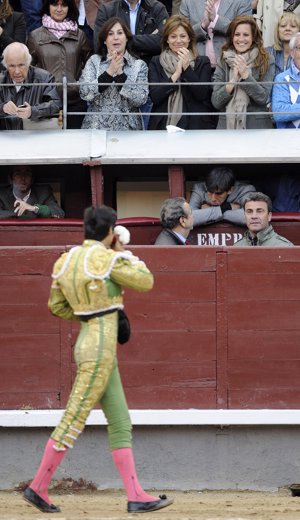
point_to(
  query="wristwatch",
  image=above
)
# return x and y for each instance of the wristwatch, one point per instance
(36, 210)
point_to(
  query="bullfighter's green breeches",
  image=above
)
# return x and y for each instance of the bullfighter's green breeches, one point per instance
(97, 381)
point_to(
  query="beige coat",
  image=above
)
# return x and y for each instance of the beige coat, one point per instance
(268, 12)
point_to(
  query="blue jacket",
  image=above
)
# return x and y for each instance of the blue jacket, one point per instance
(281, 98)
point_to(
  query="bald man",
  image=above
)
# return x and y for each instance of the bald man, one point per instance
(19, 102)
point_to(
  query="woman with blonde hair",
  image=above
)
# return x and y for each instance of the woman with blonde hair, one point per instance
(268, 11)
(180, 65)
(288, 24)
(12, 26)
(243, 76)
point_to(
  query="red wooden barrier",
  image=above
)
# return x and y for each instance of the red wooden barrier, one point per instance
(220, 329)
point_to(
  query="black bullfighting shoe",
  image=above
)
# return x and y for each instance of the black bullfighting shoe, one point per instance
(35, 500)
(146, 507)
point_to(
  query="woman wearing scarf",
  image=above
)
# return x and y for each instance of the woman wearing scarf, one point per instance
(180, 64)
(240, 87)
(62, 49)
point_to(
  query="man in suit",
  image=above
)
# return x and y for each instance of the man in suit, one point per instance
(177, 221)
(24, 199)
(210, 20)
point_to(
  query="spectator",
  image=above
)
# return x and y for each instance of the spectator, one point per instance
(32, 12)
(61, 48)
(244, 64)
(124, 79)
(16, 5)
(144, 18)
(19, 102)
(220, 197)
(267, 14)
(287, 25)
(258, 214)
(12, 26)
(25, 199)
(284, 191)
(285, 96)
(177, 221)
(180, 63)
(210, 20)
(87, 15)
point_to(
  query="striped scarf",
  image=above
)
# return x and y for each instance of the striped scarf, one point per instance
(59, 29)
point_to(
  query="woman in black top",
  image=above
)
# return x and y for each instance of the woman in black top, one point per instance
(180, 64)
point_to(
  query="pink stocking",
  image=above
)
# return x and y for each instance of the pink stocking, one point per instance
(50, 461)
(123, 459)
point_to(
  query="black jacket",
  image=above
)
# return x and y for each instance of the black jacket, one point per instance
(14, 30)
(152, 16)
(40, 194)
(196, 98)
(43, 99)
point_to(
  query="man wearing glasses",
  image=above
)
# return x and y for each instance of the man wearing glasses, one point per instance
(286, 95)
(20, 101)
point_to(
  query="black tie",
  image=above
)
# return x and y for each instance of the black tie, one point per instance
(254, 241)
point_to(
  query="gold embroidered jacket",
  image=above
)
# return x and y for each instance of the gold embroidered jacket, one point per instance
(89, 279)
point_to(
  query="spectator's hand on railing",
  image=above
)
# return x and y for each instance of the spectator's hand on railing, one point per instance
(21, 206)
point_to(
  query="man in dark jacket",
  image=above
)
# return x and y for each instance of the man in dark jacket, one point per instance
(145, 20)
(25, 199)
(177, 220)
(20, 101)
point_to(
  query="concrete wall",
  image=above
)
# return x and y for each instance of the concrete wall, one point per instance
(171, 457)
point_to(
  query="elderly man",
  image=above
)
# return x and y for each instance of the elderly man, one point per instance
(286, 96)
(210, 20)
(177, 220)
(258, 214)
(20, 102)
(25, 199)
(219, 198)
